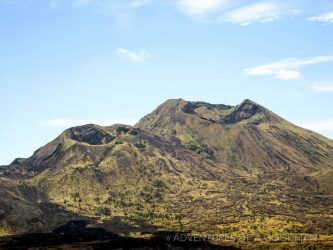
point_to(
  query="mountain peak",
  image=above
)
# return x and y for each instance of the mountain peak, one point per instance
(250, 111)
(179, 110)
(248, 104)
(248, 101)
(173, 104)
(90, 133)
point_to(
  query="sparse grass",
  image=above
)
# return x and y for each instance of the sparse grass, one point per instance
(5, 231)
(103, 211)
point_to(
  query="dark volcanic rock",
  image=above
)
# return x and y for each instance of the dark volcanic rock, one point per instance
(90, 134)
(76, 235)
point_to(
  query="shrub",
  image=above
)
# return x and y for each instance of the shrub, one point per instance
(159, 184)
(103, 211)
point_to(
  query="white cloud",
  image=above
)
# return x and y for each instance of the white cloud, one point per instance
(319, 126)
(323, 88)
(286, 69)
(287, 75)
(200, 7)
(63, 122)
(324, 18)
(260, 12)
(137, 57)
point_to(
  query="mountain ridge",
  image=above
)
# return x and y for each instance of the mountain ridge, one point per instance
(194, 166)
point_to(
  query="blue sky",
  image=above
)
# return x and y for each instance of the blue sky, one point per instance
(70, 62)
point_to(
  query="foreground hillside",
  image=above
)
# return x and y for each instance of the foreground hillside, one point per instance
(188, 166)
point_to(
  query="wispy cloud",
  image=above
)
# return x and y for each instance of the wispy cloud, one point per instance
(198, 8)
(138, 4)
(318, 126)
(136, 57)
(323, 88)
(124, 4)
(63, 122)
(120, 11)
(324, 18)
(286, 69)
(262, 12)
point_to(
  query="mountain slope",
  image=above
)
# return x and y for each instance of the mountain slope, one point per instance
(210, 169)
(247, 136)
(126, 171)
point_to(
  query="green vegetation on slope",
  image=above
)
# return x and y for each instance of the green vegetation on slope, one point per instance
(210, 169)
